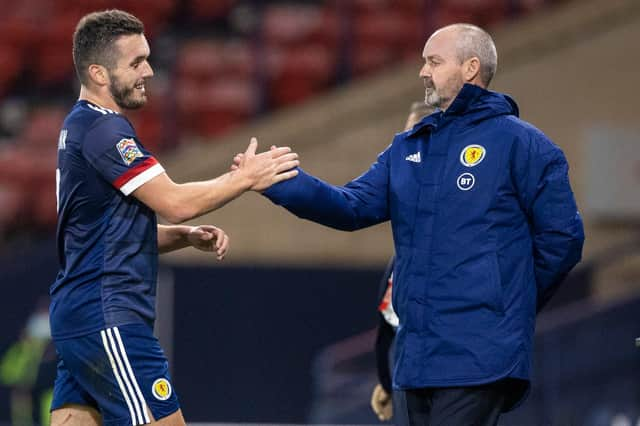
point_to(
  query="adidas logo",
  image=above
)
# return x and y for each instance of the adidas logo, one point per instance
(413, 157)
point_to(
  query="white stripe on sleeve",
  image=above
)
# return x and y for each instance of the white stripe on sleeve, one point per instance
(139, 180)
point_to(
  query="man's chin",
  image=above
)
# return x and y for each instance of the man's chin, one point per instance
(133, 105)
(432, 102)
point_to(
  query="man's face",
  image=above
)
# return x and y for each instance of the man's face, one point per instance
(131, 71)
(442, 71)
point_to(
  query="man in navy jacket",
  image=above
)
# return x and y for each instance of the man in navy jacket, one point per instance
(485, 228)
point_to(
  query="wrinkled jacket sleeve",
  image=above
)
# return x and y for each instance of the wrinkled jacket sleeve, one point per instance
(360, 203)
(547, 198)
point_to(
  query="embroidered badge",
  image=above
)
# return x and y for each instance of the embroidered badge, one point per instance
(161, 389)
(465, 181)
(128, 150)
(472, 155)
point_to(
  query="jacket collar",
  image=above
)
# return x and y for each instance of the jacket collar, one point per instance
(428, 122)
(473, 102)
(466, 97)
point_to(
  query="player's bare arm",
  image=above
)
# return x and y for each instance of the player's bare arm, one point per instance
(204, 237)
(256, 172)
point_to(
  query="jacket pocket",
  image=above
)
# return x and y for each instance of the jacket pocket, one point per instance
(469, 294)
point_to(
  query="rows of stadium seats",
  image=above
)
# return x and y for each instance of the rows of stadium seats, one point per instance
(218, 63)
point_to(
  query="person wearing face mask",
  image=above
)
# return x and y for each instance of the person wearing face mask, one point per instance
(485, 227)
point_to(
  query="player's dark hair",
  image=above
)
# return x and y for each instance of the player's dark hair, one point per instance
(95, 37)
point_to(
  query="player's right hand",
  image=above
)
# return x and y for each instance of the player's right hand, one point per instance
(266, 168)
(381, 403)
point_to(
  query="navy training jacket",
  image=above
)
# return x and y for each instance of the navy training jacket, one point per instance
(485, 227)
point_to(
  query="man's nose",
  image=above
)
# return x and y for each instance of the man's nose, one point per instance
(425, 71)
(148, 71)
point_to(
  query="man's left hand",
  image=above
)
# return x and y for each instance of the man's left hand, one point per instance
(209, 238)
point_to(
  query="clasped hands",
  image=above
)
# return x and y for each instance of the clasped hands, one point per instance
(266, 168)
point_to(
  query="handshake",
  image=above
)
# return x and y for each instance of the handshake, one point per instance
(266, 168)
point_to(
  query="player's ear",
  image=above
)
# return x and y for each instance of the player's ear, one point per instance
(98, 74)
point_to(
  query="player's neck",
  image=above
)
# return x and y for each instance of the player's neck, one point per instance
(104, 101)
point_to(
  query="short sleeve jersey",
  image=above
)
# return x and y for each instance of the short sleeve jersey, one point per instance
(107, 239)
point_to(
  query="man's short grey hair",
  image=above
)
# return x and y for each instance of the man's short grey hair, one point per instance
(474, 41)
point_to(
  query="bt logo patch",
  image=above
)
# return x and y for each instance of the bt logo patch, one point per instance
(465, 181)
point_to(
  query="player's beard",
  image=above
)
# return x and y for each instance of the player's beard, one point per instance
(125, 96)
(441, 97)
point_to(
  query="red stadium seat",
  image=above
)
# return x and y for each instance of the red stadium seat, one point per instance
(212, 109)
(155, 14)
(31, 172)
(385, 37)
(11, 60)
(238, 59)
(14, 164)
(12, 205)
(19, 32)
(43, 127)
(150, 128)
(42, 201)
(388, 28)
(290, 24)
(53, 59)
(199, 60)
(80, 7)
(369, 59)
(205, 10)
(206, 59)
(478, 12)
(297, 73)
(371, 5)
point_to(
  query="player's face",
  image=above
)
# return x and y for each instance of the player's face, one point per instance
(131, 72)
(442, 71)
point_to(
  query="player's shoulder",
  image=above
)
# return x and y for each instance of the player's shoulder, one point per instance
(89, 120)
(86, 116)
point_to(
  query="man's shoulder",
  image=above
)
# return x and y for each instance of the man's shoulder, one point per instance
(87, 120)
(85, 116)
(516, 125)
(528, 137)
(521, 130)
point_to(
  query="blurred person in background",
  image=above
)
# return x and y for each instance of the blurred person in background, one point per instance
(111, 368)
(485, 227)
(28, 367)
(383, 398)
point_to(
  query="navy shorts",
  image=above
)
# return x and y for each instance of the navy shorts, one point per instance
(120, 371)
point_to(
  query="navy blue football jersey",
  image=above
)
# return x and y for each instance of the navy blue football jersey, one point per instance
(107, 239)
